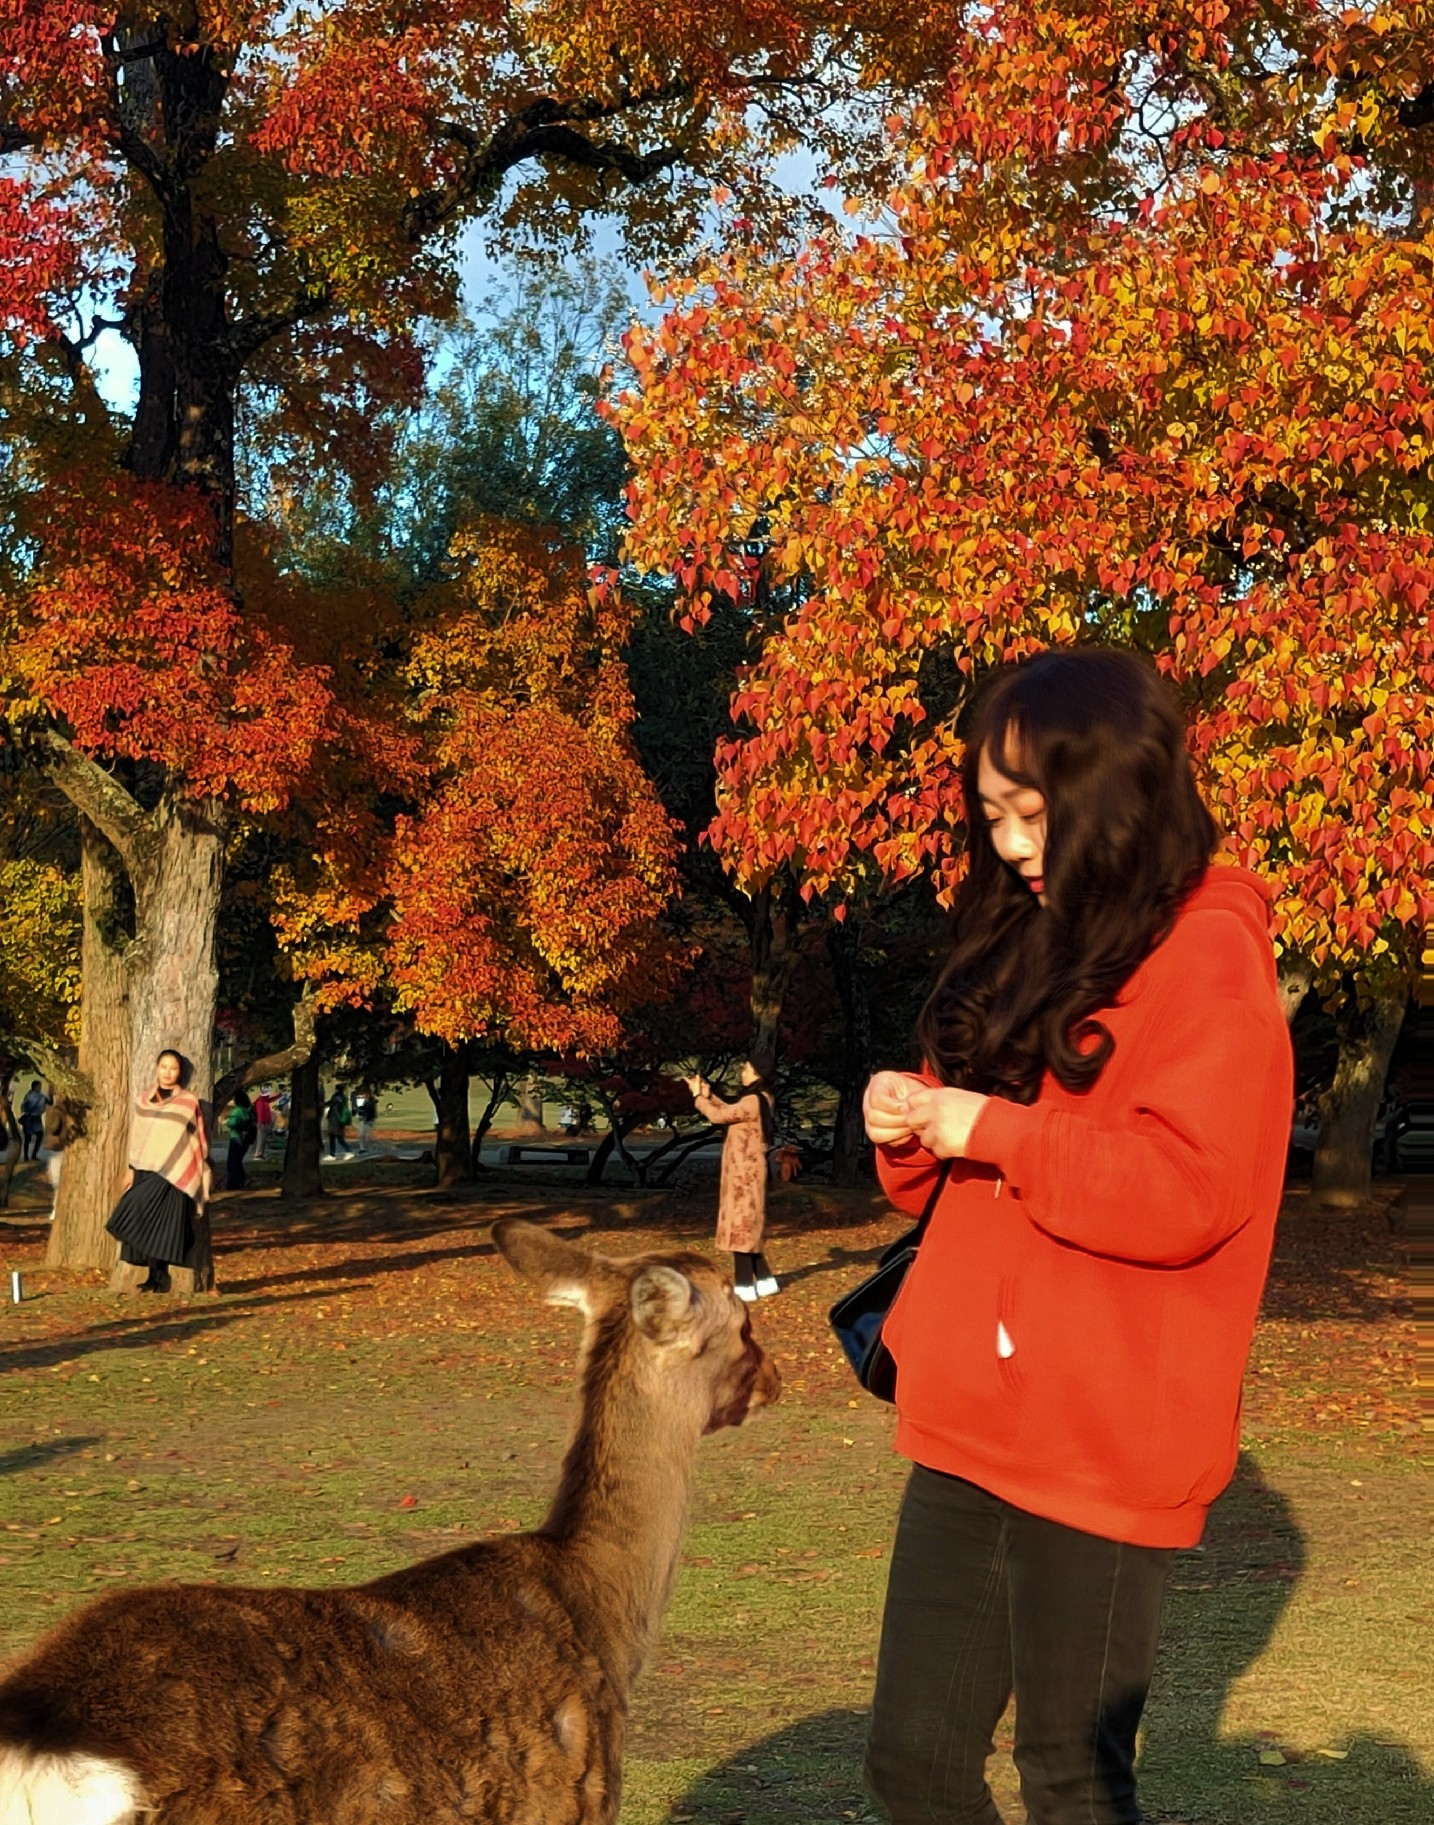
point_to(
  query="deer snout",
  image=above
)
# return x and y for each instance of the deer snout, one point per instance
(767, 1387)
(756, 1383)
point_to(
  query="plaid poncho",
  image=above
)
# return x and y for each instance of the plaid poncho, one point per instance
(169, 1137)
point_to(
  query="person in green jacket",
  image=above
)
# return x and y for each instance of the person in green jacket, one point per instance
(337, 1116)
(242, 1127)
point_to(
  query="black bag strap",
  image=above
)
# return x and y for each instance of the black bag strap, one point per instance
(912, 1238)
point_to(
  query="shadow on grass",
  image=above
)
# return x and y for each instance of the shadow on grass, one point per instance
(44, 1451)
(1225, 1603)
(359, 1267)
(808, 1772)
(174, 1324)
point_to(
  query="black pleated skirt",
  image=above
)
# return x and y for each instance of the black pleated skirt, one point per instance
(154, 1221)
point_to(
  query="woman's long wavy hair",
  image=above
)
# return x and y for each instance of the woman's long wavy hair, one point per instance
(1100, 736)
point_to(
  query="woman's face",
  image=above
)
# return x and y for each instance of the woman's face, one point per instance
(1016, 818)
(166, 1071)
(749, 1072)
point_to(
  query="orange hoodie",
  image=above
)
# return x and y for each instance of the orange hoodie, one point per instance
(1073, 1333)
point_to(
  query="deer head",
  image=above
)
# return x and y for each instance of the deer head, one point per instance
(672, 1320)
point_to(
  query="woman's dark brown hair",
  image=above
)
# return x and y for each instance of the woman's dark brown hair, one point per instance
(1100, 736)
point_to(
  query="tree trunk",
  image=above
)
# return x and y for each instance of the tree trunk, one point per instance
(1296, 978)
(174, 980)
(1343, 1164)
(849, 1146)
(11, 1142)
(614, 1141)
(304, 1143)
(93, 1164)
(453, 1142)
(530, 1106)
(496, 1096)
(772, 933)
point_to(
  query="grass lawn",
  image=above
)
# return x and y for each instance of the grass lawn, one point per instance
(373, 1384)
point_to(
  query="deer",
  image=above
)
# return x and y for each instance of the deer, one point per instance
(489, 1683)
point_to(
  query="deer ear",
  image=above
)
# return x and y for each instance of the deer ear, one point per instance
(565, 1272)
(664, 1304)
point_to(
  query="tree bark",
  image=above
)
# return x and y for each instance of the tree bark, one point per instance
(11, 1143)
(174, 978)
(485, 1121)
(1342, 1178)
(530, 1106)
(772, 934)
(93, 1163)
(849, 1146)
(453, 1142)
(272, 1065)
(304, 1143)
(1296, 978)
(614, 1141)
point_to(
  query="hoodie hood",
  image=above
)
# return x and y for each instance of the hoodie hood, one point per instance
(1228, 888)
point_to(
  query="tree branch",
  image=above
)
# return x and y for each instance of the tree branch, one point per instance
(245, 339)
(540, 130)
(66, 1079)
(1418, 110)
(16, 139)
(273, 1064)
(102, 799)
(1296, 978)
(141, 157)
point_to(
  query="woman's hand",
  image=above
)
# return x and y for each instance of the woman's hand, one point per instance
(696, 1084)
(885, 1109)
(942, 1119)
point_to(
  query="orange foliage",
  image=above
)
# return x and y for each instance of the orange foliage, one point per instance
(528, 886)
(136, 639)
(1137, 353)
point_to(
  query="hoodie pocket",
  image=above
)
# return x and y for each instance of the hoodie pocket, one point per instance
(1008, 1364)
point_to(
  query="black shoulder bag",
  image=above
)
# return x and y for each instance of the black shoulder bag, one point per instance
(857, 1317)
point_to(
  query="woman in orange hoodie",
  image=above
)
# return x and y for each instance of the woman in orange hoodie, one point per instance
(1106, 1089)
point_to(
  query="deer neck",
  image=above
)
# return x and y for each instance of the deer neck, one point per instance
(620, 1512)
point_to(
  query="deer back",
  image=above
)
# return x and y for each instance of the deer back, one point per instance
(490, 1683)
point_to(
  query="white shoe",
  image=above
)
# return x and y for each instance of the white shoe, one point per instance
(767, 1285)
(747, 1294)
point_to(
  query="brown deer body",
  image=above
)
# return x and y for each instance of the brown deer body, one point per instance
(488, 1684)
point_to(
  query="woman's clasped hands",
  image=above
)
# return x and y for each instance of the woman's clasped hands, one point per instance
(898, 1108)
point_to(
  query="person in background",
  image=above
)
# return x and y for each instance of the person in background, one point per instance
(32, 1121)
(742, 1200)
(365, 1114)
(241, 1127)
(58, 1132)
(336, 1120)
(1101, 1120)
(263, 1123)
(168, 1182)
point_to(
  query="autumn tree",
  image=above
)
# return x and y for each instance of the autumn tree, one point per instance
(1137, 349)
(528, 886)
(264, 198)
(503, 482)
